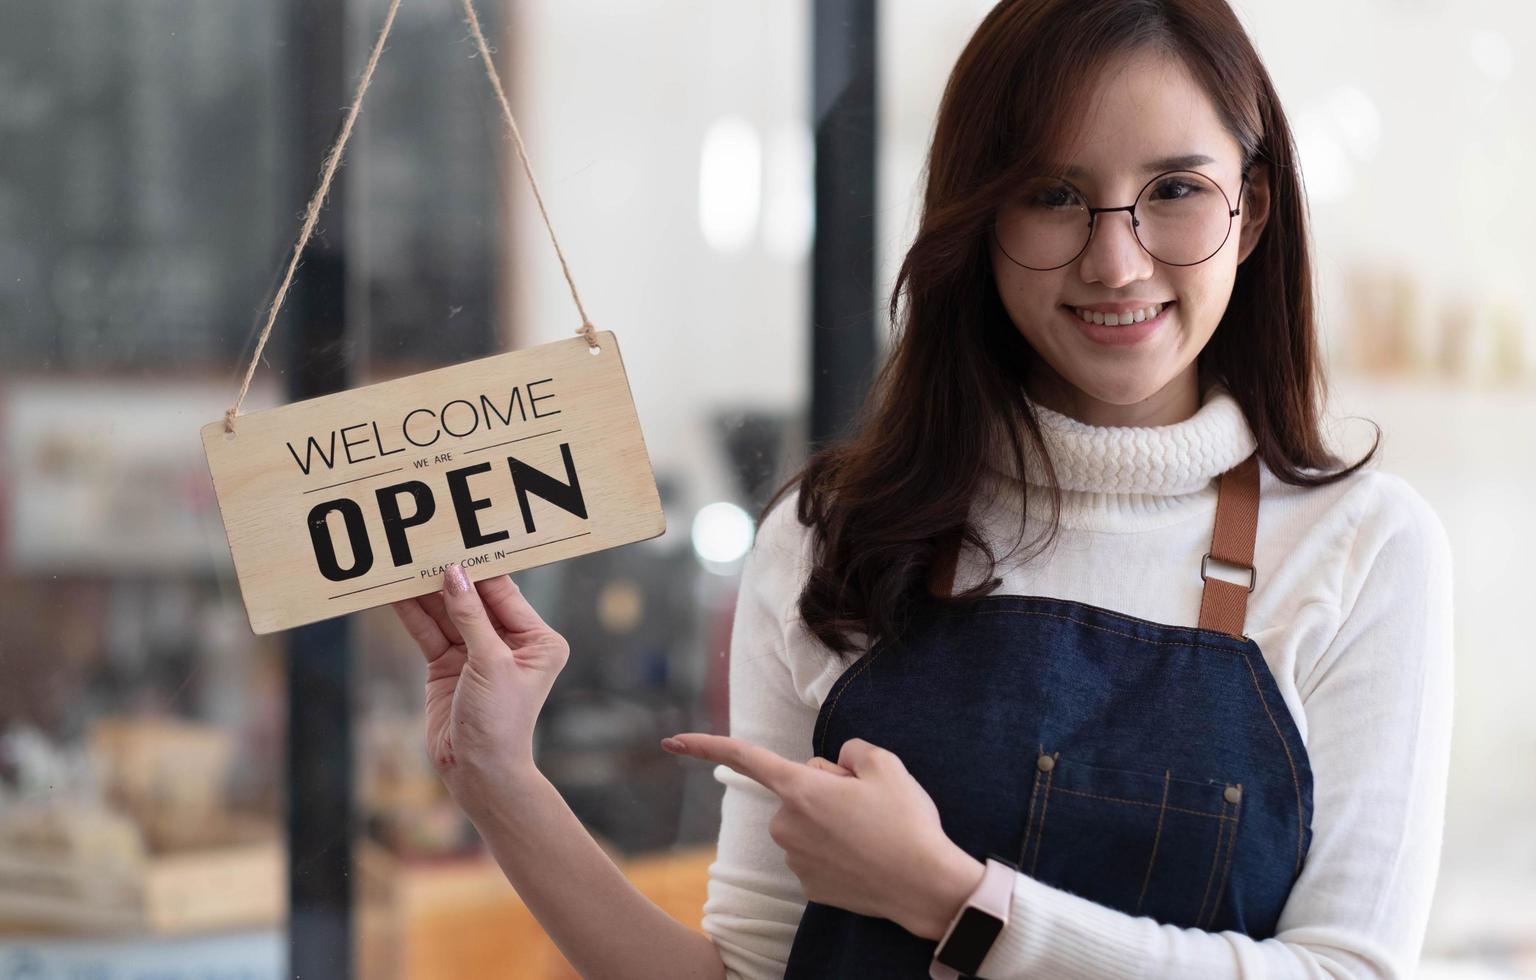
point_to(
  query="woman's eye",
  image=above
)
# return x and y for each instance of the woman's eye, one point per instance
(1175, 189)
(1059, 196)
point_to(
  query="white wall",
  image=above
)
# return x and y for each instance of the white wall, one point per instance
(615, 101)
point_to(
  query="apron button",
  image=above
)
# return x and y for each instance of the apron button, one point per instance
(1233, 794)
(1045, 763)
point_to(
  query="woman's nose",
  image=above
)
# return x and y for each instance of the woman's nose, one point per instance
(1114, 257)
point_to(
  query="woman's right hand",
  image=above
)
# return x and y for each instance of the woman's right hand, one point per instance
(491, 661)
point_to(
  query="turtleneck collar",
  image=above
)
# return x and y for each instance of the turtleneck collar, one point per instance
(1134, 477)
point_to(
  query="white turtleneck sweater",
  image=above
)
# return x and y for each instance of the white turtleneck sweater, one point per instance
(1352, 611)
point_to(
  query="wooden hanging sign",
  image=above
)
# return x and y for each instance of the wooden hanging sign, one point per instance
(360, 498)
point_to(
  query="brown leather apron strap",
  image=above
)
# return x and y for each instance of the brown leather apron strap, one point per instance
(1224, 605)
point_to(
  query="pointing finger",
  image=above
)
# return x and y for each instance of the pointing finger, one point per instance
(753, 761)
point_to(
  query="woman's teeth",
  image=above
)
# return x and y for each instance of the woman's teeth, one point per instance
(1114, 320)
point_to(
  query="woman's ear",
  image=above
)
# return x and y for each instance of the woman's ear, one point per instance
(1255, 210)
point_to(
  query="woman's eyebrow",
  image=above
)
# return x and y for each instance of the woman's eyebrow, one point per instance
(1187, 161)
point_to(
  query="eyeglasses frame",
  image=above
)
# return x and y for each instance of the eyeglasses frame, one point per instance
(1093, 215)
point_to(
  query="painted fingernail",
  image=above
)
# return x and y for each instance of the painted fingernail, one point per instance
(673, 745)
(454, 579)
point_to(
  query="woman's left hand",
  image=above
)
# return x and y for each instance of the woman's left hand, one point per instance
(860, 834)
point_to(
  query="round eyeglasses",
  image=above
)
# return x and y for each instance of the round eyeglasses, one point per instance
(1180, 217)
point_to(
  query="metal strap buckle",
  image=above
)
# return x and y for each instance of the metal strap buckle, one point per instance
(1253, 575)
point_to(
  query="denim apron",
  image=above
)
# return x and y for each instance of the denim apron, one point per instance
(1151, 768)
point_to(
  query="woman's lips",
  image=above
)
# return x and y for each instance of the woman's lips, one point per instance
(1118, 336)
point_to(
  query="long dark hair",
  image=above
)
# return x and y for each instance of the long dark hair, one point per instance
(951, 390)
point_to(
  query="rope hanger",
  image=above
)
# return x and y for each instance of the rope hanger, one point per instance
(333, 161)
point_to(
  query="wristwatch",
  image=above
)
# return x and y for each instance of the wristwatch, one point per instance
(970, 936)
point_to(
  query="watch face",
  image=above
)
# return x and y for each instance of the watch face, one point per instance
(971, 939)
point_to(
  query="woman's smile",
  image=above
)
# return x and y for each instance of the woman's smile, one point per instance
(1121, 334)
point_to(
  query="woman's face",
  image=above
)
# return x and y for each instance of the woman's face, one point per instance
(1145, 109)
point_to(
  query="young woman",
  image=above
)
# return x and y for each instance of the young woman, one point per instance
(1198, 728)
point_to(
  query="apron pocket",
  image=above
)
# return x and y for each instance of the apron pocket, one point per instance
(1147, 844)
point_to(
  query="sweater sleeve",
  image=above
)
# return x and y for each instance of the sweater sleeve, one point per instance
(754, 901)
(1378, 711)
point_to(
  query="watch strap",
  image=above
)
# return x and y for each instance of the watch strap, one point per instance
(993, 896)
